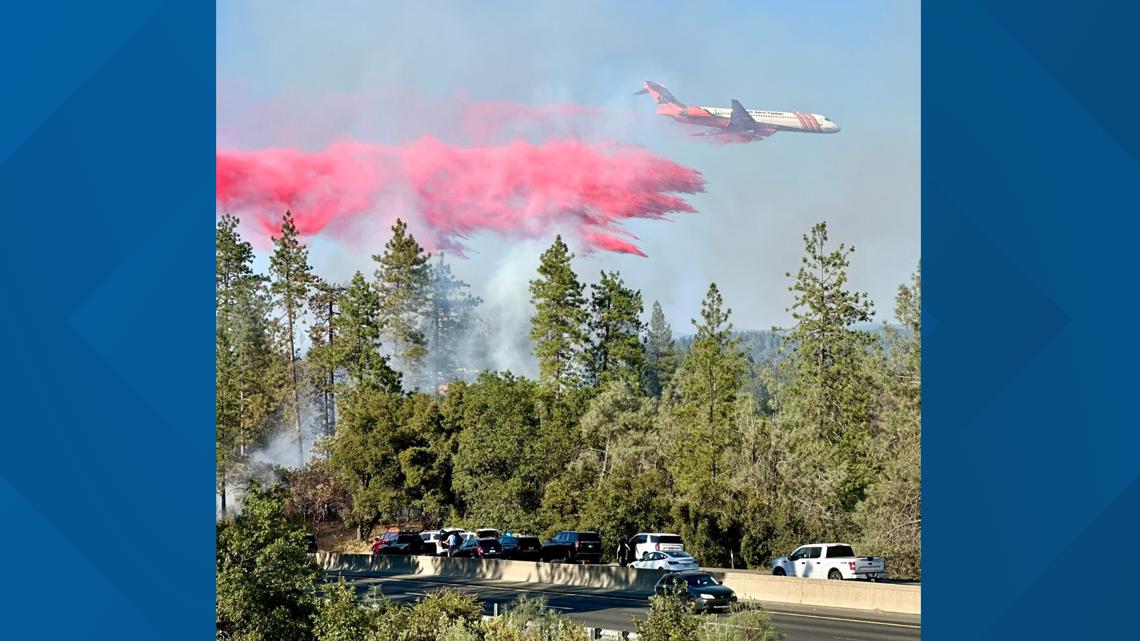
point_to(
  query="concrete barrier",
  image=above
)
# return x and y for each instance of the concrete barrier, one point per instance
(853, 595)
(748, 585)
(600, 577)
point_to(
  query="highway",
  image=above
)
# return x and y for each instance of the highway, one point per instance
(616, 611)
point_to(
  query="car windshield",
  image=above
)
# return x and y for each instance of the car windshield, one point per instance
(679, 555)
(408, 538)
(589, 536)
(837, 551)
(672, 538)
(700, 580)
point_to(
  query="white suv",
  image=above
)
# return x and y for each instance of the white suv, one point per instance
(655, 542)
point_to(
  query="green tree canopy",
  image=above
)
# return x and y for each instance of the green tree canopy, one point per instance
(403, 280)
(706, 389)
(358, 333)
(830, 393)
(615, 331)
(558, 326)
(265, 579)
(661, 354)
(247, 376)
(292, 279)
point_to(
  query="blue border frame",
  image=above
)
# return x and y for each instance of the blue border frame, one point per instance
(1031, 450)
(106, 155)
(1031, 467)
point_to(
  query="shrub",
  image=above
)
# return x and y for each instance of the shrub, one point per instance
(743, 625)
(528, 619)
(669, 619)
(437, 614)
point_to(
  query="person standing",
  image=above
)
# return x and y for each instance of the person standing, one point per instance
(624, 552)
(452, 544)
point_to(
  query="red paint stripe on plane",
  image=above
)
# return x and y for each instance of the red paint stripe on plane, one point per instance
(800, 117)
(815, 122)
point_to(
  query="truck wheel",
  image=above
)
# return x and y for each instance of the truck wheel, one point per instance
(835, 575)
(779, 572)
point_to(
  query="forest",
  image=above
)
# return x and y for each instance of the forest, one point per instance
(746, 443)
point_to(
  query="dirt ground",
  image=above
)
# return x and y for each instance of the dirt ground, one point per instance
(339, 537)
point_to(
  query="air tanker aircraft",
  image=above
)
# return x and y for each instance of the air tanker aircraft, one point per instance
(750, 124)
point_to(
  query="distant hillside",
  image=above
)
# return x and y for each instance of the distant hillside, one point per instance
(763, 345)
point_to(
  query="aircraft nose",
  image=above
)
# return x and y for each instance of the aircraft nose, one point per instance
(835, 128)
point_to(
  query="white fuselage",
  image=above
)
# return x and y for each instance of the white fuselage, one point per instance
(784, 120)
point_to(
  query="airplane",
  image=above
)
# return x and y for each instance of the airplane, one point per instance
(749, 124)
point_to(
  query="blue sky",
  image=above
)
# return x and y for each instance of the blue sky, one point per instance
(857, 62)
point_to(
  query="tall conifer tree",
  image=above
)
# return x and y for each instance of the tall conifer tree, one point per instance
(403, 282)
(292, 279)
(558, 327)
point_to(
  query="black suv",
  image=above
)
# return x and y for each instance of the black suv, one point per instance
(521, 547)
(401, 543)
(572, 546)
(698, 589)
(480, 549)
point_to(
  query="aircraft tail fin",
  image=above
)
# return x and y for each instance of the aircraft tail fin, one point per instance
(662, 95)
(740, 117)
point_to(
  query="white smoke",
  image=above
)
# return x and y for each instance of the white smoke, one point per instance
(507, 309)
(278, 451)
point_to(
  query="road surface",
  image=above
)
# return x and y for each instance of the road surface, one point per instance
(616, 611)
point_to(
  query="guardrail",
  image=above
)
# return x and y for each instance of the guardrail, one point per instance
(748, 585)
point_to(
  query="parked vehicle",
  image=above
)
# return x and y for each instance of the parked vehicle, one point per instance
(573, 546)
(431, 542)
(834, 561)
(698, 589)
(444, 535)
(400, 543)
(521, 547)
(487, 533)
(646, 542)
(671, 560)
(480, 549)
(379, 541)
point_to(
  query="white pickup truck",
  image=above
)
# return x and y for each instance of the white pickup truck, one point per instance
(830, 561)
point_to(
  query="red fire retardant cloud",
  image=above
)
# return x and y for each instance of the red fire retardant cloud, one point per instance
(519, 189)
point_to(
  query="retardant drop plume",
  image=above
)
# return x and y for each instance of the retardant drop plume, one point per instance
(519, 189)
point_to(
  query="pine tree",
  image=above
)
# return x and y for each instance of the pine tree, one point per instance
(660, 352)
(830, 393)
(358, 329)
(321, 360)
(615, 330)
(891, 514)
(292, 278)
(451, 316)
(402, 280)
(708, 384)
(247, 377)
(558, 325)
